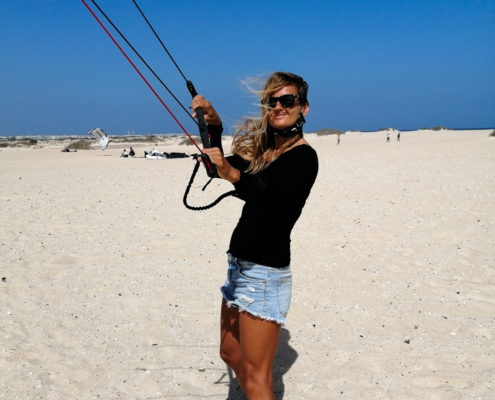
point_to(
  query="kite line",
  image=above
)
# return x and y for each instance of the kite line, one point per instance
(158, 37)
(137, 70)
(211, 170)
(203, 130)
(142, 59)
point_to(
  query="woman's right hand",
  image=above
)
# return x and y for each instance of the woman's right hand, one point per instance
(224, 169)
(211, 116)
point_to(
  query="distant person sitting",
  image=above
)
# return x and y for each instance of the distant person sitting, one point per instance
(154, 152)
(124, 154)
(131, 152)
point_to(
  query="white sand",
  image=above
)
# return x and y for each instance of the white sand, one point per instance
(111, 285)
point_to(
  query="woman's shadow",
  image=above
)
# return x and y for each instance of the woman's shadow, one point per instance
(285, 357)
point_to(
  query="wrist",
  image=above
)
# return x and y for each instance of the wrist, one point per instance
(215, 121)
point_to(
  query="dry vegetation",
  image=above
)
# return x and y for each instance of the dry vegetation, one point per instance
(13, 142)
(492, 133)
(187, 142)
(139, 139)
(80, 145)
(325, 132)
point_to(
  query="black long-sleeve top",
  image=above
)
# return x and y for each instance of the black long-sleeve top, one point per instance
(274, 200)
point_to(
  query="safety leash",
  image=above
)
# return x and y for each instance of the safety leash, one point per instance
(191, 180)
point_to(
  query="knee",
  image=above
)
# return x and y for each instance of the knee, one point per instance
(224, 355)
(256, 379)
(228, 356)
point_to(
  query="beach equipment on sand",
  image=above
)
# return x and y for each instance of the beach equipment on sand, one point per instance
(164, 156)
(100, 136)
(203, 130)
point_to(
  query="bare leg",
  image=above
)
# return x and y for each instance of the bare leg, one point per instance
(230, 348)
(259, 342)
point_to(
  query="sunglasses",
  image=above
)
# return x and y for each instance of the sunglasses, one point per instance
(286, 101)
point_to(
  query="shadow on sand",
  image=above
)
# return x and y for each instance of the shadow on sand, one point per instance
(286, 356)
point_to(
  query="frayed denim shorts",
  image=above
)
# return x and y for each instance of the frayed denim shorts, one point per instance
(262, 291)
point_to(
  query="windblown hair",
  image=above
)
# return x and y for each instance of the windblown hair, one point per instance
(251, 141)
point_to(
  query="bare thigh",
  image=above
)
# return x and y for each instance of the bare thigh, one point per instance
(230, 348)
(259, 342)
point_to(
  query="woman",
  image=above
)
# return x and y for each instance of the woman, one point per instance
(273, 170)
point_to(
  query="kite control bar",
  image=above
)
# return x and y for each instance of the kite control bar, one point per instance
(211, 169)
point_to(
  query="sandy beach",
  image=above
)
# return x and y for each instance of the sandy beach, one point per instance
(110, 286)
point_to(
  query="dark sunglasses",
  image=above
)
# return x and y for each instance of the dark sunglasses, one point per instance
(286, 101)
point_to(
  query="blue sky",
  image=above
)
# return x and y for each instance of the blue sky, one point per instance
(369, 64)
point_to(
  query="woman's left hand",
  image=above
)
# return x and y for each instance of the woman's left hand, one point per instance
(224, 169)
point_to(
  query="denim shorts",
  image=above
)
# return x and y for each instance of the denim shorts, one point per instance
(262, 291)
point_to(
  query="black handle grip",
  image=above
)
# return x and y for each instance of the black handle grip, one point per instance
(211, 169)
(203, 129)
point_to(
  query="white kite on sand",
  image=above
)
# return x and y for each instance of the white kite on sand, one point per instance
(101, 136)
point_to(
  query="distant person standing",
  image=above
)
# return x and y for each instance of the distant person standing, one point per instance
(338, 139)
(388, 137)
(398, 137)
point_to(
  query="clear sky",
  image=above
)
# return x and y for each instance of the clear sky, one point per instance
(369, 64)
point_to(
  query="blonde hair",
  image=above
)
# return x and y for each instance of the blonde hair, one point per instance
(251, 141)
